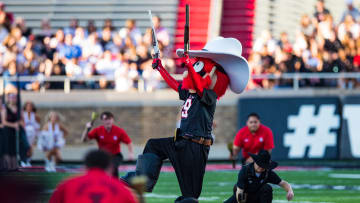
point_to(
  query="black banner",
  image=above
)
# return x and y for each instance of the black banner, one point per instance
(350, 132)
(303, 127)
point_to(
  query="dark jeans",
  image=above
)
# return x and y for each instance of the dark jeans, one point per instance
(117, 159)
(263, 195)
(187, 158)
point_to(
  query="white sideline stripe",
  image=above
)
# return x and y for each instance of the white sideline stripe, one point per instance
(283, 201)
(161, 196)
(343, 175)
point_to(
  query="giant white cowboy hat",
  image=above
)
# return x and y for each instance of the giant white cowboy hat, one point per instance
(227, 53)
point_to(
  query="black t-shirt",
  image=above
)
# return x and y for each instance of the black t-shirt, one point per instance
(197, 113)
(250, 183)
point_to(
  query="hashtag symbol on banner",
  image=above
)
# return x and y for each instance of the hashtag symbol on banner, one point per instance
(313, 131)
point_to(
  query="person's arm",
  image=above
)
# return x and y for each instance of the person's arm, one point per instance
(236, 151)
(240, 185)
(167, 77)
(269, 141)
(21, 121)
(84, 135)
(287, 187)
(124, 137)
(237, 144)
(131, 151)
(240, 195)
(65, 131)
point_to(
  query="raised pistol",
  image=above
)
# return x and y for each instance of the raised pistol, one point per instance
(155, 44)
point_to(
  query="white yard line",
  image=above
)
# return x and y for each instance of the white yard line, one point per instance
(344, 175)
(162, 196)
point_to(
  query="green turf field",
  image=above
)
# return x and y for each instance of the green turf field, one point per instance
(309, 186)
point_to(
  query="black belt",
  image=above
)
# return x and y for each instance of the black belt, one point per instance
(199, 140)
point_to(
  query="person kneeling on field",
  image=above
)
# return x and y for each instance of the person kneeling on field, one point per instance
(252, 186)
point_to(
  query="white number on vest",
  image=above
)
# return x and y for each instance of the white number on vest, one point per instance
(186, 107)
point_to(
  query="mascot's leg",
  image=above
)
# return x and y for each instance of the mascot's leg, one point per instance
(149, 163)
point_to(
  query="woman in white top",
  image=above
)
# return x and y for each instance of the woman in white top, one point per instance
(51, 140)
(32, 126)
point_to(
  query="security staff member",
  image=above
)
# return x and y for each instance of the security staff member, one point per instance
(109, 137)
(252, 138)
(252, 186)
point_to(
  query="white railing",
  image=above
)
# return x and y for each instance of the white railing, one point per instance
(295, 77)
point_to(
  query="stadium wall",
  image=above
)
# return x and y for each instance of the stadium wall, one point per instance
(154, 115)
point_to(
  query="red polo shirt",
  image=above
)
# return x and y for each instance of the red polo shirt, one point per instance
(94, 186)
(109, 141)
(262, 139)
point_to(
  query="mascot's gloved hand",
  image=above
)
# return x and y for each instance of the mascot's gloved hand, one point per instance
(186, 60)
(156, 64)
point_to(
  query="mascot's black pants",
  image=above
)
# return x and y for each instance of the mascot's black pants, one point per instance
(263, 195)
(188, 159)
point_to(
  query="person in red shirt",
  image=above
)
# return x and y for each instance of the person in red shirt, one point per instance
(96, 185)
(252, 138)
(108, 137)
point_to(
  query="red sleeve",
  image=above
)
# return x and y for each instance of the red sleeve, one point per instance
(93, 133)
(168, 78)
(269, 142)
(58, 195)
(238, 140)
(124, 137)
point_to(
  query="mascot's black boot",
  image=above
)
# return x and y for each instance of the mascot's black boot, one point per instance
(183, 199)
(148, 164)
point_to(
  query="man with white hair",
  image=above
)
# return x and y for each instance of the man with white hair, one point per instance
(350, 10)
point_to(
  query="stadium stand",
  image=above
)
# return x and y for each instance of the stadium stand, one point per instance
(61, 12)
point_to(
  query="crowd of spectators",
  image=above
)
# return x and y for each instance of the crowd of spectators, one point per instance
(121, 57)
(320, 46)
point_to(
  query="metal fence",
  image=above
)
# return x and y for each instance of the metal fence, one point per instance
(294, 77)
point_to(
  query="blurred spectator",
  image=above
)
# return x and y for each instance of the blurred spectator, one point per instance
(20, 23)
(74, 23)
(265, 40)
(161, 32)
(306, 26)
(96, 185)
(130, 30)
(106, 65)
(32, 126)
(108, 25)
(92, 49)
(350, 10)
(79, 37)
(45, 28)
(52, 139)
(162, 36)
(106, 39)
(320, 10)
(69, 50)
(7, 18)
(11, 123)
(90, 27)
(151, 78)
